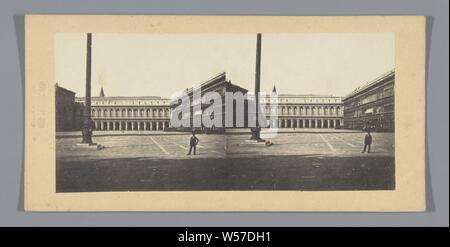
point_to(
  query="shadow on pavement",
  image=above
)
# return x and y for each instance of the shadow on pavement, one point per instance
(294, 172)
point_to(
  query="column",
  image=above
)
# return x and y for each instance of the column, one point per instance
(309, 123)
(315, 123)
(132, 125)
(334, 125)
(120, 125)
(157, 125)
(298, 123)
(145, 125)
(151, 125)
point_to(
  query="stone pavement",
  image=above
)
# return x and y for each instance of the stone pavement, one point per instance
(216, 146)
(297, 161)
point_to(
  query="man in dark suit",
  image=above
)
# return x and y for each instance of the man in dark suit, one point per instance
(367, 142)
(193, 143)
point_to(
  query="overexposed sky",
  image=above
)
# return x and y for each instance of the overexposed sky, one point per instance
(162, 64)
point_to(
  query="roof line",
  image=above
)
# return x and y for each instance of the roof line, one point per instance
(370, 83)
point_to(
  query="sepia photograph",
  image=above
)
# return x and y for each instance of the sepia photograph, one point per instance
(224, 111)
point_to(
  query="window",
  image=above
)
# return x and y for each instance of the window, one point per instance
(370, 98)
(388, 91)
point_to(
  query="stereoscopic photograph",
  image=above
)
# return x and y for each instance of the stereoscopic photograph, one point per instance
(224, 111)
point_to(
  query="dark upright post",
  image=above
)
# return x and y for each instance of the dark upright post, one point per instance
(87, 122)
(256, 131)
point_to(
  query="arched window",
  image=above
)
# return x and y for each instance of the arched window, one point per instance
(105, 113)
(93, 113)
(130, 112)
(111, 113)
(117, 113)
(325, 110)
(331, 111)
(338, 110)
(142, 113)
(124, 113)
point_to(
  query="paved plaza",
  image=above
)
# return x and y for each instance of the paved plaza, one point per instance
(296, 161)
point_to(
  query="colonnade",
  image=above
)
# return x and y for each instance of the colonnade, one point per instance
(306, 123)
(131, 125)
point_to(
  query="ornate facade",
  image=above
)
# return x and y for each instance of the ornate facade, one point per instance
(220, 85)
(369, 106)
(305, 111)
(372, 105)
(129, 113)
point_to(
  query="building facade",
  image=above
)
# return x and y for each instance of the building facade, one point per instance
(129, 113)
(368, 107)
(372, 105)
(304, 111)
(220, 85)
(66, 110)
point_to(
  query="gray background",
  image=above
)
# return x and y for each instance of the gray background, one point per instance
(12, 99)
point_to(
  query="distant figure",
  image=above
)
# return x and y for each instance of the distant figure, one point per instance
(193, 143)
(367, 142)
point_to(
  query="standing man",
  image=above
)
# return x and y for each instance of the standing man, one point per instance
(193, 143)
(367, 142)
